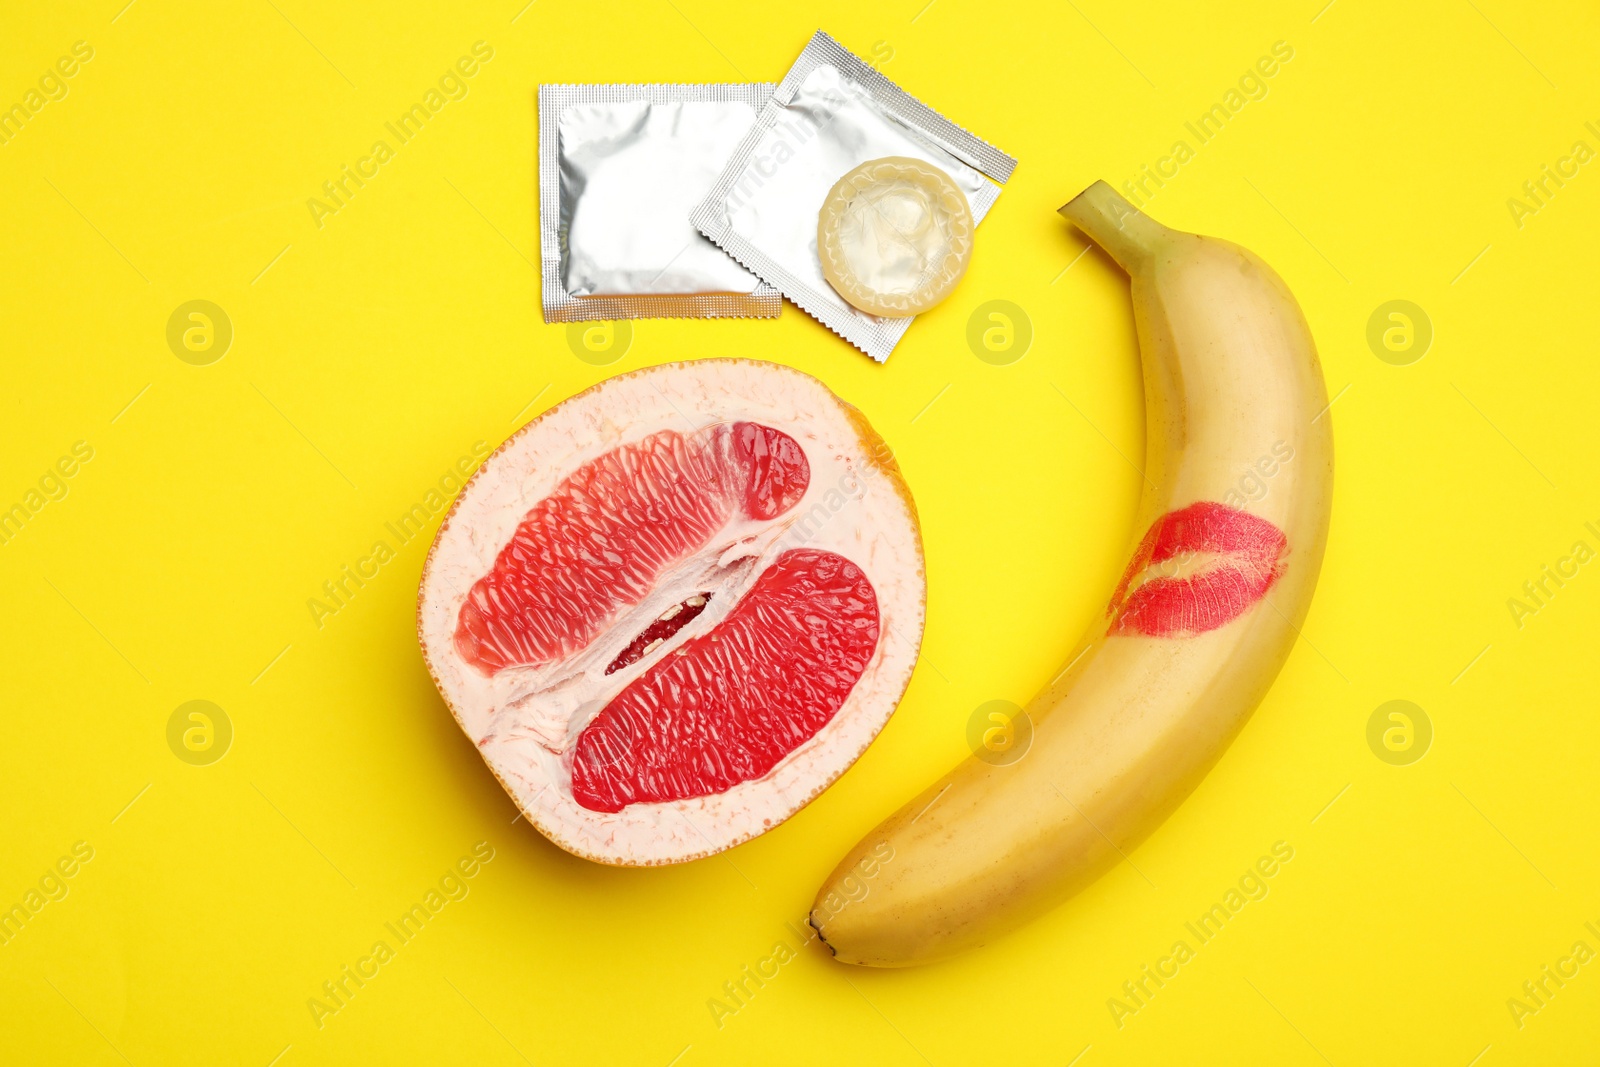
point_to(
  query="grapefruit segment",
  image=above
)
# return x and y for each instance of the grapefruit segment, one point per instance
(726, 707)
(774, 467)
(599, 543)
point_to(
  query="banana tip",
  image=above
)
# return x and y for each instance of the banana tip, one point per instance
(811, 920)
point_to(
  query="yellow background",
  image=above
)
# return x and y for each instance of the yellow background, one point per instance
(371, 353)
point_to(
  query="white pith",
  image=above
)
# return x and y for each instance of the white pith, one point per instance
(524, 720)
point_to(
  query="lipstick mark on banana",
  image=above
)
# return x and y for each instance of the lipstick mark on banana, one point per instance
(1228, 559)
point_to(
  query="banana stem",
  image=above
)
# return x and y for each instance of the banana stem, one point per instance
(1127, 234)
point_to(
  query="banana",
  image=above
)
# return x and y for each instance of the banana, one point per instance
(1230, 534)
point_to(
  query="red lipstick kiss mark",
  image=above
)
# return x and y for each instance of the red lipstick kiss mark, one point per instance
(1236, 557)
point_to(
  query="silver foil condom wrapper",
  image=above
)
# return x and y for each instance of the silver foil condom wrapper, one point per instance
(620, 167)
(831, 113)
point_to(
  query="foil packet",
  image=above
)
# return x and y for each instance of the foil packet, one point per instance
(620, 167)
(830, 114)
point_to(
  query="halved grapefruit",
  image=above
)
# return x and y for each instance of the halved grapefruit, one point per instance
(674, 608)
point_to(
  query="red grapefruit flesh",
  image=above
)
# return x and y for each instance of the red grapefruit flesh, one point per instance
(602, 540)
(671, 610)
(726, 707)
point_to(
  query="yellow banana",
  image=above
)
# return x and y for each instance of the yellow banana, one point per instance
(1230, 535)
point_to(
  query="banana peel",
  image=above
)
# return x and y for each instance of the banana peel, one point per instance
(1212, 600)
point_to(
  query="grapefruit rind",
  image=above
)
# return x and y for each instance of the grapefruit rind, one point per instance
(857, 504)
